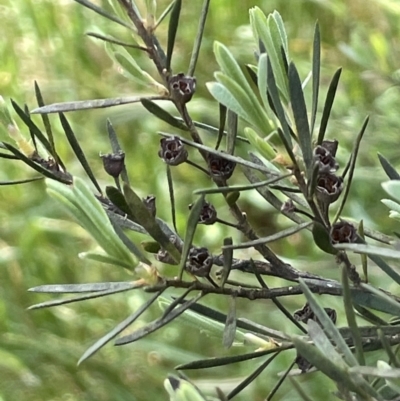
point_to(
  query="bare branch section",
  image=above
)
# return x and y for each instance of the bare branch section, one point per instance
(249, 293)
(154, 49)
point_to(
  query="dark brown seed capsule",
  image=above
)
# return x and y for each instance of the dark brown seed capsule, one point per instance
(220, 167)
(331, 146)
(329, 188)
(150, 202)
(172, 151)
(208, 214)
(327, 163)
(113, 163)
(182, 87)
(199, 262)
(343, 232)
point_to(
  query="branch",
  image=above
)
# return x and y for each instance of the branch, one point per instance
(249, 293)
(281, 270)
(154, 48)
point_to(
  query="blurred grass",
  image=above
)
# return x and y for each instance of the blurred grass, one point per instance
(45, 41)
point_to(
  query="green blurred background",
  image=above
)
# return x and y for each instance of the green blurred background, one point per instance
(44, 40)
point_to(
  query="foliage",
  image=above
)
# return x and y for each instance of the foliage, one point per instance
(281, 149)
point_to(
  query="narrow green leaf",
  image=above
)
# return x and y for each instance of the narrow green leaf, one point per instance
(262, 76)
(351, 317)
(69, 133)
(351, 168)
(171, 196)
(271, 34)
(227, 360)
(47, 126)
(209, 129)
(249, 379)
(392, 188)
(304, 396)
(31, 133)
(252, 72)
(368, 315)
(376, 372)
(190, 230)
(157, 324)
(313, 182)
(370, 250)
(232, 128)
(149, 223)
(57, 176)
(273, 91)
(389, 301)
(393, 359)
(164, 14)
(271, 198)
(118, 329)
(163, 115)
(102, 258)
(235, 81)
(16, 182)
(328, 325)
(266, 150)
(374, 253)
(322, 342)
(282, 32)
(241, 323)
(228, 258)
(278, 35)
(92, 104)
(118, 199)
(230, 324)
(231, 69)
(300, 116)
(330, 97)
(131, 68)
(88, 212)
(223, 96)
(276, 301)
(115, 41)
(271, 238)
(123, 222)
(373, 301)
(252, 109)
(240, 188)
(389, 169)
(316, 69)
(280, 381)
(97, 294)
(199, 36)
(172, 29)
(34, 130)
(327, 366)
(129, 244)
(6, 155)
(174, 302)
(104, 13)
(79, 288)
(222, 119)
(206, 325)
(97, 222)
(364, 260)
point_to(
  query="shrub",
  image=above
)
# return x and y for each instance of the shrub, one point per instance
(263, 115)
